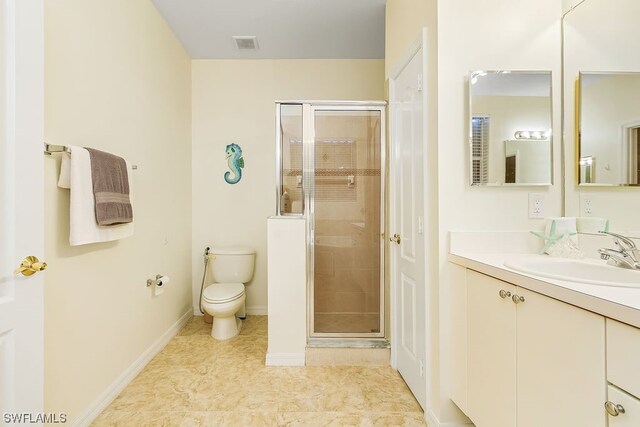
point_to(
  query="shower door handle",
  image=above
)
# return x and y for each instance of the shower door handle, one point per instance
(395, 238)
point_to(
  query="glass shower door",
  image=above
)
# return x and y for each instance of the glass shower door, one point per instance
(345, 221)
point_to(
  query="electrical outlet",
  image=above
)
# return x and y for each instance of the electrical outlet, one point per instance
(536, 205)
(586, 204)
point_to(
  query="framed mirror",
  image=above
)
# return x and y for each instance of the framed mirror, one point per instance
(510, 138)
(609, 129)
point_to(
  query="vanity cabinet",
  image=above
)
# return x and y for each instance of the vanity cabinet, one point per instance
(531, 360)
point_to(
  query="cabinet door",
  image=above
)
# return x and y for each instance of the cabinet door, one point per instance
(491, 352)
(458, 336)
(631, 407)
(623, 354)
(560, 364)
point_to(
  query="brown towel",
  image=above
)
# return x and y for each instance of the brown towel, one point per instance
(110, 188)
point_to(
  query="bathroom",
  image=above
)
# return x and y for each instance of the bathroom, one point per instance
(102, 322)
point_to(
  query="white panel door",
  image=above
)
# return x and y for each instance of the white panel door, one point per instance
(21, 220)
(407, 240)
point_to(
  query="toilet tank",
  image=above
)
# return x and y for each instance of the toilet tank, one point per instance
(229, 264)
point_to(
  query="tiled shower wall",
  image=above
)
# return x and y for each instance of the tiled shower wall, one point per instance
(347, 229)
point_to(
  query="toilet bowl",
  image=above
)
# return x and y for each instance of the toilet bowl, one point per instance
(231, 268)
(222, 301)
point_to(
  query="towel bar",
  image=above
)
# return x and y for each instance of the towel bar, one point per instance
(52, 148)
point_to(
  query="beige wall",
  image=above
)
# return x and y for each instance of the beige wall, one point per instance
(116, 79)
(234, 101)
(404, 20)
(592, 45)
(567, 5)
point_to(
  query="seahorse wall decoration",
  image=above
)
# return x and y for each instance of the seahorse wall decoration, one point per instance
(235, 163)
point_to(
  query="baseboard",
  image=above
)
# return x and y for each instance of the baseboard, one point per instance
(104, 400)
(433, 421)
(285, 359)
(257, 310)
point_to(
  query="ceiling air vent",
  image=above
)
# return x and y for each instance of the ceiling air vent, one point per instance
(246, 42)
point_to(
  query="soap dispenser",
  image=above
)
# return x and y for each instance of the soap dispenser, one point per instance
(285, 202)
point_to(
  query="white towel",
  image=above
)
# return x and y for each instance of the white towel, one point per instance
(64, 181)
(592, 225)
(83, 227)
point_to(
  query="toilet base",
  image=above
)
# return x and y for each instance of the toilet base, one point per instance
(224, 328)
(208, 318)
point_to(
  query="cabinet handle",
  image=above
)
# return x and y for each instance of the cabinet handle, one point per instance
(517, 299)
(504, 294)
(614, 409)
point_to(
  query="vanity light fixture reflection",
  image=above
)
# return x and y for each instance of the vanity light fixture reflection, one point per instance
(532, 134)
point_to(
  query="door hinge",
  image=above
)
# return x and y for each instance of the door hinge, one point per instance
(421, 368)
(419, 82)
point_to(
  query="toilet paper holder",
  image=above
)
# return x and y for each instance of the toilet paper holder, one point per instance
(160, 280)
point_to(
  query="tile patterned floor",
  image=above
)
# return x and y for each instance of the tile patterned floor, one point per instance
(197, 381)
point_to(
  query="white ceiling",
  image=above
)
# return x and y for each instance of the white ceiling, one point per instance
(318, 29)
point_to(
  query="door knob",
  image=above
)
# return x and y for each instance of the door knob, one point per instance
(395, 238)
(30, 265)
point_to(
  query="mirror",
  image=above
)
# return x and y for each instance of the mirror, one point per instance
(608, 128)
(597, 35)
(510, 127)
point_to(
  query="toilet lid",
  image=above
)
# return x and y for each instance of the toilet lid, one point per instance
(223, 292)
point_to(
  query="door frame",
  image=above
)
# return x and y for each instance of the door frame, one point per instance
(309, 108)
(626, 150)
(308, 131)
(419, 44)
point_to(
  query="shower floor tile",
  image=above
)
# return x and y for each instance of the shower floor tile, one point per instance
(349, 322)
(197, 381)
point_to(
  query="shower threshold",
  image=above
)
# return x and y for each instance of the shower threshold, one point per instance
(348, 343)
(353, 352)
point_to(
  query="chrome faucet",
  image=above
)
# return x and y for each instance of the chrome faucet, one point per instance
(627, 255)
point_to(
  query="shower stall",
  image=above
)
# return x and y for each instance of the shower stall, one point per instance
(330, 170)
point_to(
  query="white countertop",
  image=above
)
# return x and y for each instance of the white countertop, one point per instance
(618, 303)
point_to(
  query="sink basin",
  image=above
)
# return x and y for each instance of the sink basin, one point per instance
(592, 272)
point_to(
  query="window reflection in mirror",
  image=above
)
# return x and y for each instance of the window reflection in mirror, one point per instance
(510, 127)
(608, 128)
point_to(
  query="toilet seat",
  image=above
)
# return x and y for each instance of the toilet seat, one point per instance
(219, 293)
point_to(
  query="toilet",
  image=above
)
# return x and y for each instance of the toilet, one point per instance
(231, 268)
